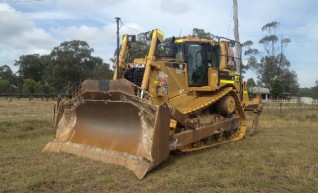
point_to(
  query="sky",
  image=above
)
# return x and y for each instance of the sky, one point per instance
(37, 26)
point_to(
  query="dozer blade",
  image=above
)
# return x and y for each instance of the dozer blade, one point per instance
(256, 107)
(120, 129)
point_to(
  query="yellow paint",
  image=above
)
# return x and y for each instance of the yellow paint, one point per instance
(157, 38)
(179, 41)
(159, 32)
(227, 81)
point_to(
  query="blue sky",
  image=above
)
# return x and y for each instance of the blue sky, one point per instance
(36, 26)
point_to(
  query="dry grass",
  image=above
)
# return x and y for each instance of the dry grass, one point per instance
(281, 157)
(25, 109)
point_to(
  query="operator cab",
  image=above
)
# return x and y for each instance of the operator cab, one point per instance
(199, 56)
(207, 60)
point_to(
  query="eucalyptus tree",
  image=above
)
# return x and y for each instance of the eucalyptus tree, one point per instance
(272, 65)
(70, 63)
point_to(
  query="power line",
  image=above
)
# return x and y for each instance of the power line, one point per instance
(21, 1)
(230, 22)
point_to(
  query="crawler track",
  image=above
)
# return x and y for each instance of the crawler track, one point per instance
(219, 136)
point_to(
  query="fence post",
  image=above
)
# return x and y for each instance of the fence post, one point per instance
(54, 108)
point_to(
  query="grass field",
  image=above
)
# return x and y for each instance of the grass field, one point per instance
(281, 157)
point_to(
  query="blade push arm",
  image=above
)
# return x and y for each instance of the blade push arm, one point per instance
(157, 38)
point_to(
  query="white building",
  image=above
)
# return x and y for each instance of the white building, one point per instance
(306, 100)
(261, 90)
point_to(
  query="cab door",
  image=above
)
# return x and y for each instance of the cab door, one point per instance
(213, 65)
(197, 64)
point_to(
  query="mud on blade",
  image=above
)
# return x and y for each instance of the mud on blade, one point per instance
(119, 129)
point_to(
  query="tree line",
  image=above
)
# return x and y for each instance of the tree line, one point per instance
(61, 71)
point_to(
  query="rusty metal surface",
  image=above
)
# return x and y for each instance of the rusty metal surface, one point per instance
(191, 136)
(194, 140)
(160, 148)
(115, 128)
(182, 118)
(122, 85)
(256, 107)
(105, 128)
(201, 102)
(226, 105)
(137, 164)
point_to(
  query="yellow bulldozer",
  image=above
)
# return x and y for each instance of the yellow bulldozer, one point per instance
(185, 95)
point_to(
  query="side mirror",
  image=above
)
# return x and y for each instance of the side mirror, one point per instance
(149, 35)
(232, 43)
(132, 38)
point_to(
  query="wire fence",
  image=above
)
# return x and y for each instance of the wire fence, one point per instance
(43, 109)
(25, 109)
(290, 105)
(301, 100)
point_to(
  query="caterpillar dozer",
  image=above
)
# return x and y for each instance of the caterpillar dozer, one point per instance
(185, 95)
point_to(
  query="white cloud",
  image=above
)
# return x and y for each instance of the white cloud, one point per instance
(34, 37)
(12, 22)
(309, 30)
(87, 6)
(307, 78)
(8, 56)
(174, 6)
(82, 32)
(50, 15)
(99, 38)
(97, 35)
(19, 36)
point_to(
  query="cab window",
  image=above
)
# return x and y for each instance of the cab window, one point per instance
(195, 64)
(213, 56)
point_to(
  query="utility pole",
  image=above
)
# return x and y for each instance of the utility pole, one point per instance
(117, 51)
(236, 36)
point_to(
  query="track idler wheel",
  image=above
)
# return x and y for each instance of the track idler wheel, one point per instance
(226, 105)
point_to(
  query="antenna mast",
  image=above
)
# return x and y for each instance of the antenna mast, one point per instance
(117, 59)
